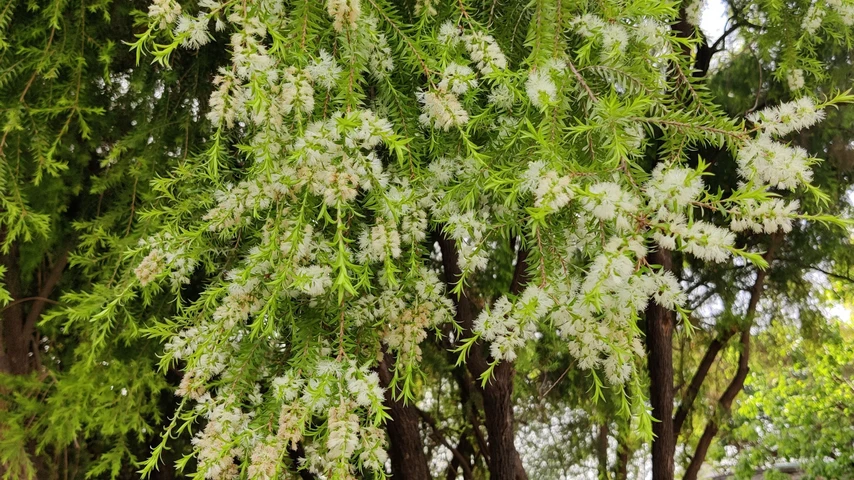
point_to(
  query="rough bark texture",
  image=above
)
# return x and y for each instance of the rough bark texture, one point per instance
(406, 450)
(659, 339)
(504, 462)
(18, 323)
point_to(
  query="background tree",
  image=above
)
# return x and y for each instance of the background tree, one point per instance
(84, 131)
(451, 239)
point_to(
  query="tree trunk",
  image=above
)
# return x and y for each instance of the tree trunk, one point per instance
(14, 347)
(406, 450)
(659, 337)
(504, 462)
(621, 468)
(602, 450)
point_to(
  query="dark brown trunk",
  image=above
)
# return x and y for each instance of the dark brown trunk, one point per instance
(406, 449)
(14, 347)
(602, 450)
(621, 468)
(659, 338)
(504, 462)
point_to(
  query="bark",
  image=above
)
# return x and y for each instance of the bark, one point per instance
(602, 450)
(406, 450)
(18, 328)
(659, 339)
(504, 462)
(621, 468)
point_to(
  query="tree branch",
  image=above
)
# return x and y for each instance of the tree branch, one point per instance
(52, 279)
(442, 438)
(737, 383)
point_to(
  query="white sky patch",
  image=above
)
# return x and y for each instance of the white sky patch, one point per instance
(713, 19)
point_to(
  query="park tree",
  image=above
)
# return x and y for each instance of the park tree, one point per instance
(84, 131)
(372, 237)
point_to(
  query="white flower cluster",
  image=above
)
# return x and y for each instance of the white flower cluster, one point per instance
(795, 79)
(442, 110)
(594, 313)
(706, 241)
(467, 228)
(344, 13)
(449, 34)
(845, 10)
(457, 79)
(768, 216)
(694, 12)
(248, 196)
(673, 188)
(788, 117)
(216, 445)
(502, 97)
(164, 12)
(613, 35)
(324, 70)
(772, 163)
(193, 30)
(406, 315)
(380, 243)
(608, 201)
(550, 190)
(165, 255)
(508, 325)
(812, 20)
(336, 156)
(151, 266)
(338, 390)
(485, 52)
(653, 33)
(541, 87)
(380, 60)
(265, 459)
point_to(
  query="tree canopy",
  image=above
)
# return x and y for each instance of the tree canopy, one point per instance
(464, 239)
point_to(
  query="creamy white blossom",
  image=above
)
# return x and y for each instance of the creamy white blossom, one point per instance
(442, 110)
